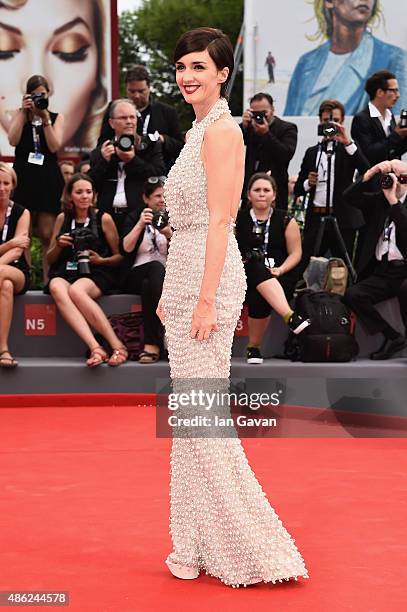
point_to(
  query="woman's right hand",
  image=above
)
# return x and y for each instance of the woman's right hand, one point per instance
(27, 103)
(64, 240)
(22, 241)
(160, 312)
(146, 217)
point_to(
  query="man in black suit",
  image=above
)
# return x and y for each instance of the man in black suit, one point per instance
(270, 145)
(154, 118)
(119, 175)
(374, 128)
(382, 265)
(312, 184)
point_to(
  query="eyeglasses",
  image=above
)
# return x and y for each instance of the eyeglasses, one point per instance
(125, 118)
(394, 89)
(153, 180)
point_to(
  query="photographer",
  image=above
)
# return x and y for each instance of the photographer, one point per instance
(270, 145)
(145, 244)
(14, 269)
(270, 244)
(84, 251)
(382, 265)
(312, 184)
(153, 116)
(37, 135)
(120, 166)
(375, 127)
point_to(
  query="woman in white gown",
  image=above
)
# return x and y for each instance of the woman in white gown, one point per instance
(221, 521)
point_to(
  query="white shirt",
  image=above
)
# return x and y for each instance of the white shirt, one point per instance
(386, 121)
(389, 246)
(147, 251)
(320, 190)
(119, 200)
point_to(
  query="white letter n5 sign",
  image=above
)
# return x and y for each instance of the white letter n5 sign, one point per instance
(40, 320)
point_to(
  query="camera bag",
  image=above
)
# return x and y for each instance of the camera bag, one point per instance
(128, 327)
(330, 336)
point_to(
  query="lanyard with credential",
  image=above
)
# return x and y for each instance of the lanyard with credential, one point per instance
(73, 223)
(145, 124)
(36, 139)
(6, 222)
(267, 227)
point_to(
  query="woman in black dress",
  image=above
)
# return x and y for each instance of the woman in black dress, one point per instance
(37, 135)
(270, 244)
(74, 290)
(14, 269)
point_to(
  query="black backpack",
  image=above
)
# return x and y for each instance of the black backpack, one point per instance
(329, 338)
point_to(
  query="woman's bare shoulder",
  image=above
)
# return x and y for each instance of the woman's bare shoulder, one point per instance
(226, 128)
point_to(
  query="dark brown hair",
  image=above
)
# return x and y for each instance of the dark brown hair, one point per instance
(258, 97)
(378, 80)
(149, 188)
(215, 42)
(329, 105)
(36, 81)
(137, 72)
(265, 177)
(66, 200)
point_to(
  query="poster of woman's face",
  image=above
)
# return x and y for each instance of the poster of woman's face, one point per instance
(69, 43)
(307, 51)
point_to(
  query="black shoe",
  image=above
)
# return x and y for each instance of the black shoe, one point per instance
(389, 348)
(297, 324)
(254, 355)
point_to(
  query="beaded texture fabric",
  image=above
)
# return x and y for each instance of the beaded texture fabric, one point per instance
(221, 521)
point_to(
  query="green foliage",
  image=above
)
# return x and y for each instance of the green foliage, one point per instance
(36, 264)
(153, 30)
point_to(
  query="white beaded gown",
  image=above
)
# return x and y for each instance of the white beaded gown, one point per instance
(221, 521)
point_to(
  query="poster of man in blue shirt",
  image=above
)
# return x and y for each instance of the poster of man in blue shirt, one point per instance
(338, 68)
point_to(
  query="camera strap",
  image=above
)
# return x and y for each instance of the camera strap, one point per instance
(145, 124)
(73, 223)
(6, 223)
(266, 227)
(36, 137)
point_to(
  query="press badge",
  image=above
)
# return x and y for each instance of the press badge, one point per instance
(36, 158)
(269, 261)
(72, 265)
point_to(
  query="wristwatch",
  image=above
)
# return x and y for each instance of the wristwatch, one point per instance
(47, 122)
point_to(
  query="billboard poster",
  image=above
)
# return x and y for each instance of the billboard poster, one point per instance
(73, 44)
(305, 51)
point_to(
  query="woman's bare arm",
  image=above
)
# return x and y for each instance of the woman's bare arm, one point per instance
(14, 248)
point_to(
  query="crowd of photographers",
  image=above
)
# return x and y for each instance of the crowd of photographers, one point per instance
(351, 189)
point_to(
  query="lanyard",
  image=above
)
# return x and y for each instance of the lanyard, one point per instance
(36, 138)
(145, 124)
(6, 221)
(152, 232)
(267, 227)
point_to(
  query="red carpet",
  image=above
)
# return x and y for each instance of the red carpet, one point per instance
(84, 509)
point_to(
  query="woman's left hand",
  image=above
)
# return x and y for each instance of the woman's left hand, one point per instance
(95, 258)
(276, 272)
(204, 320)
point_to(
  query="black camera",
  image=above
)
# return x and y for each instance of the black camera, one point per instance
(124, 142)
(258, 116)
(403, 118)
(83, 240)
(327, 129)
(40, 101)
(160, 219)
(387, 181)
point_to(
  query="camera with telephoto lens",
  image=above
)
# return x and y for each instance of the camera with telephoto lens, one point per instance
(124, 142)
(403, 118)
(160, 219)
(83, 240)
(258, 116)
(387, 181)
(40, 101)
(327, 129)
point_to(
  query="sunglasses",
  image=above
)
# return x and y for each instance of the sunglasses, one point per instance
(153, 180)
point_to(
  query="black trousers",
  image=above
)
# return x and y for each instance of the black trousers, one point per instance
(329, 242)
(256, 273)
(147, 281)
(387, 281)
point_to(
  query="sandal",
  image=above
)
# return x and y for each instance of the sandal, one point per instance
(7, 362)
(97, 356)
(147, 357)
(118, 356)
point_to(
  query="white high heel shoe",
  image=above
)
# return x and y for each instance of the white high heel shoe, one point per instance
(182, 571)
